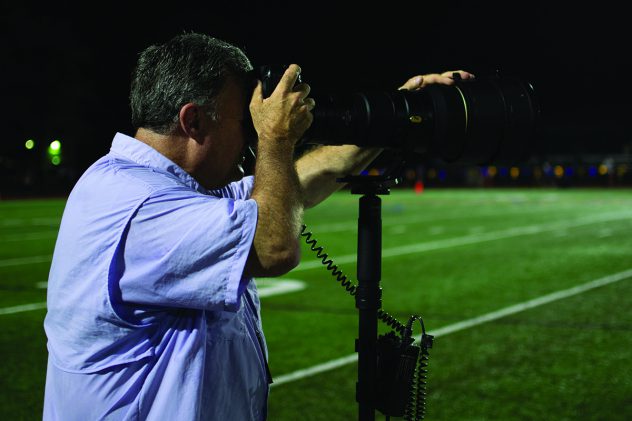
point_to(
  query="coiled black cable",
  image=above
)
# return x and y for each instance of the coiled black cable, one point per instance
(351, 288)
(391, 321)
(416, 408)
(324, 258)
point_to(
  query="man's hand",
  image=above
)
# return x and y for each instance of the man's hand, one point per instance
(421, 81)
(286, 114)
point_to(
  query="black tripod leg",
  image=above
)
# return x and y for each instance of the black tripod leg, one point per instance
(368, 301)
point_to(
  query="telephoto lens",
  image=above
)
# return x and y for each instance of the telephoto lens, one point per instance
(474, 121)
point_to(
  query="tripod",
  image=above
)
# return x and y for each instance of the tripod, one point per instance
(368, 293)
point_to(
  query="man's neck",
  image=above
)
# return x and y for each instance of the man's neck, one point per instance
(171, 146)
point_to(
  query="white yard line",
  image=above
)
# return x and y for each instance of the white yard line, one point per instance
(21, 222)
(465, 324)
(267, 288)
(274, 286)
(391, 218)
(26, 260)
(446, 330)
(26, 236)
(471, 239)
(22, 308)
(423, 246)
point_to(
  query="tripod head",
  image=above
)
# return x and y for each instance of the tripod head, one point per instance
(371, 184)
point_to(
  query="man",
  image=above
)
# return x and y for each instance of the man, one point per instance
(152, 309)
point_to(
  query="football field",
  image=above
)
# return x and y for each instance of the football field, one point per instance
(528, 293)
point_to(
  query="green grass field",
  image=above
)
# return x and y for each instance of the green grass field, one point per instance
(550, 269)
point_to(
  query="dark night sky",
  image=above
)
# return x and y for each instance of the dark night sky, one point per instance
(66, 67)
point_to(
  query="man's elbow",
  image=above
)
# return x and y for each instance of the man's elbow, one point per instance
(275, 262)
(284, 262)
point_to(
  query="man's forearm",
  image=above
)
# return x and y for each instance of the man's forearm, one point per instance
(280, 211)
(319, 168)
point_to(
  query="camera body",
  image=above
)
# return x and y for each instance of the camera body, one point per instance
(270, 76)
(479, 121)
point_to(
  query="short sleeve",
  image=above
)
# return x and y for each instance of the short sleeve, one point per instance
(238, 190)
(188, 250)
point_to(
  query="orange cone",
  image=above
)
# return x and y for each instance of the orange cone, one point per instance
(419, 187)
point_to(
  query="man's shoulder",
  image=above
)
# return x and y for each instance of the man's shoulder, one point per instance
(112, 171)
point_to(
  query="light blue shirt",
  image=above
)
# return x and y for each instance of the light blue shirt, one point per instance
(149, 316)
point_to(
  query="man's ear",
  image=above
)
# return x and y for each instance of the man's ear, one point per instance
(191, 120)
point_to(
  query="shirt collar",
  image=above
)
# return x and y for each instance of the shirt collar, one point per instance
(143, 154)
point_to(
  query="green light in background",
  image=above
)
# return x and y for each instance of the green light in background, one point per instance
(55, 147)
(29, 144)
(54, 152)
